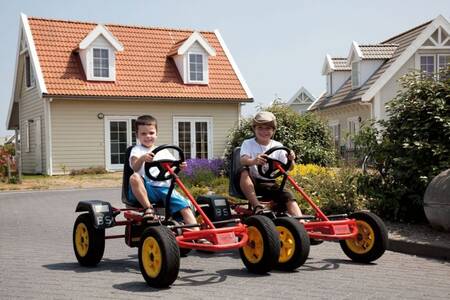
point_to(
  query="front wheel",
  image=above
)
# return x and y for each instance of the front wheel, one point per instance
(88, 242)
(159, 256)
(371, 241)
(294, 243)
(260, 254)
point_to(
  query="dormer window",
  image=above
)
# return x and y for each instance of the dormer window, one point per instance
(355, 74)
(101, 62)
(191, 57)
(195, 67)
(98, 54)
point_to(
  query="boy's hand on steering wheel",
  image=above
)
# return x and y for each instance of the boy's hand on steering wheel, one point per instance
(291, 156)
(148, 157)
(260, 159)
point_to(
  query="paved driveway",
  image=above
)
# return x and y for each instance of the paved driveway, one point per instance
(37, 262)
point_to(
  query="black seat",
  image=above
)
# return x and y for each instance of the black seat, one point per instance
(235, 165)
(127, 172)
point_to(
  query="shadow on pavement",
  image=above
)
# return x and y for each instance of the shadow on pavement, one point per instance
(129, 264)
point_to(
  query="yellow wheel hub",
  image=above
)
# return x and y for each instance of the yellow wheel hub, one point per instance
(287, 241)
(365, 239)
(82, 239)
(254, 249)
(151, 257)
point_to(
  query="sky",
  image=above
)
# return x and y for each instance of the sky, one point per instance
(279, 46)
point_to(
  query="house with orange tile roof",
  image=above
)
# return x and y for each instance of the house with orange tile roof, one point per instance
(79, 87)
(360, 85)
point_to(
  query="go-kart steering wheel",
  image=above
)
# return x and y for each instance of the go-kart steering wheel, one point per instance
(272, 172)
(163, 174)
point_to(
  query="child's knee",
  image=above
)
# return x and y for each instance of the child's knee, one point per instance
(135, 179)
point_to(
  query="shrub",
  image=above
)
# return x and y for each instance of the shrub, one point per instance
(334, 191)
(305, 134)
(413, 145)
(88, 171)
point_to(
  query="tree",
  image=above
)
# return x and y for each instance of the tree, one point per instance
(414, 140)
(308, 136)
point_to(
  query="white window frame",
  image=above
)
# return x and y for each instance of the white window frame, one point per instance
(355, 73)
(109, 63)
(192, 120)
(350, 142)
(107, 139)
(436, 59)
(332, 124)
(204, 65)
(29, 72)
(330, 84)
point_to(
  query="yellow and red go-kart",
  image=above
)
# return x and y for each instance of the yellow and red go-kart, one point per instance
(161, 241)
(362, 235)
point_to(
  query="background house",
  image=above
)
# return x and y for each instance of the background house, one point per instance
(301, 100)
(360, 85)
(79, 87)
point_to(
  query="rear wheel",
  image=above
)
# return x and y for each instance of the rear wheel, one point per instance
(159, 256)
(260, 254)
(88, 242)
(371, 241)
(294, 243)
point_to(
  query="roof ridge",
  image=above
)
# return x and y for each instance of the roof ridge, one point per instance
(121, 25)
(377, 45)
(407, 31)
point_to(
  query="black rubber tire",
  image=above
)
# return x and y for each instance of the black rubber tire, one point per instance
(301, 242)
(380, 243)
(271, 245)
(95, 242)
(315, 242)
(169, 255)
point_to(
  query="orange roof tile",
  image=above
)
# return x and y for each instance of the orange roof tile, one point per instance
(143, 69)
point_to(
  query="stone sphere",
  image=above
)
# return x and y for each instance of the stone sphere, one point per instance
(436, 201)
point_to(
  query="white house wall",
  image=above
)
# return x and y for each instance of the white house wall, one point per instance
(78, 135)
(367, 68)
(338, 79)
(389, 90)
(31, 107)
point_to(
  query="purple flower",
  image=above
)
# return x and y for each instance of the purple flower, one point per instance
(202, 164)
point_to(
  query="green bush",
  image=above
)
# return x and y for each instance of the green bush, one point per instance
(412, 146)
(335, 192)
(308, 136)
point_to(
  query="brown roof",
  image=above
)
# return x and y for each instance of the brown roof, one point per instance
(340, 64)
(378, 51)
(345, 94)
(143, 69)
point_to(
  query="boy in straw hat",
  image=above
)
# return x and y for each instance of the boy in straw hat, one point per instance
(252, 154)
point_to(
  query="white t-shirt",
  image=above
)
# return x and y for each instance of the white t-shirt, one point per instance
(139, 150)
(252, 148)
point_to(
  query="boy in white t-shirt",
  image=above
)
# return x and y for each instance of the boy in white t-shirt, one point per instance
(252, 154)
(144, 190)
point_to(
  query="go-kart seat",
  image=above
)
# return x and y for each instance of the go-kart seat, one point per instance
(127, 172)
(233, 186)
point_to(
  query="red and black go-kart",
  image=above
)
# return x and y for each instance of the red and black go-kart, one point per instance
(362, 235)
(161, 241)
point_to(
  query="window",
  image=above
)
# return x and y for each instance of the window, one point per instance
(119, 134)
(353, 128)
(26, 140)
(29, 75)
(432, 63)
(101, 62)
(335, 129)
(194, 136)
(355, 74)
(195, 67)
(329, 84)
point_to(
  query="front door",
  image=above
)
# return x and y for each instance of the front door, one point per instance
(119, 134)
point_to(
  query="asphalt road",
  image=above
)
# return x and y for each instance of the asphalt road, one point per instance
(37, 262)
